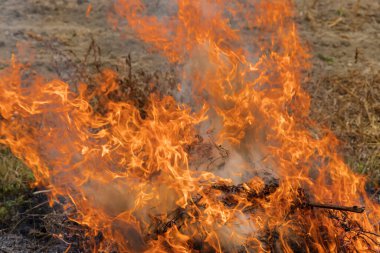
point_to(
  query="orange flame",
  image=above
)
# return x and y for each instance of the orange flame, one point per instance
(89, 9)
(132, 177)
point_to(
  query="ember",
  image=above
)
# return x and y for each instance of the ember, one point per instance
(148, 178)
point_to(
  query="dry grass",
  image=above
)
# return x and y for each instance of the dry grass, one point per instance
(349, 104)
(345, 81)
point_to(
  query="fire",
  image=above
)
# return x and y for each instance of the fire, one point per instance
(140, 180)
(89, 9)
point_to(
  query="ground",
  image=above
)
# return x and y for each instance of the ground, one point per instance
(343, 38)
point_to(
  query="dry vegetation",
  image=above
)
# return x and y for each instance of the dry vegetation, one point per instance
(345, 80)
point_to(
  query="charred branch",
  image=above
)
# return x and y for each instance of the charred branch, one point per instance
(231, 194)
(243, 189)
(354, 209)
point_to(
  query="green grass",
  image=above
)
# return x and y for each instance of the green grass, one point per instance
(15, 179)
(325, 58)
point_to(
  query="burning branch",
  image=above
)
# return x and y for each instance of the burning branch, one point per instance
(354, 209)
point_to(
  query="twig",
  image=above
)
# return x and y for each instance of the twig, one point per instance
(37, 206)
(354, 209)
(369, 232)
(42, 191)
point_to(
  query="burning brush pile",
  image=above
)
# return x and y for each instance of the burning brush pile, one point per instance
(230, 162)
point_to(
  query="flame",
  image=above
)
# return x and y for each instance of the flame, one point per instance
(88, 10)
(132, 177)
